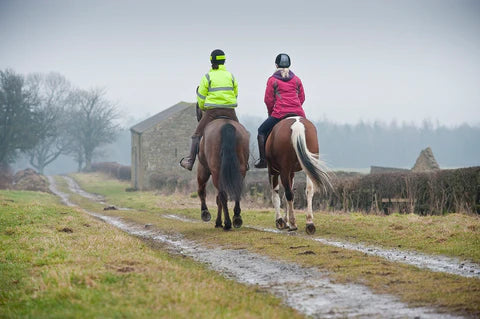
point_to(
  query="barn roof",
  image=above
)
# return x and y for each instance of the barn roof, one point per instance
(159, 117)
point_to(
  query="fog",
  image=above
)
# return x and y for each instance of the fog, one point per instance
(351, 147)
(359, 60)
(403, 62)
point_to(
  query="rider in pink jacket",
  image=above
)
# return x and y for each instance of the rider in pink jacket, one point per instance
(284, 96)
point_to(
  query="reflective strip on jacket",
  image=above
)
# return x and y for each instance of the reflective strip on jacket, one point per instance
(218, 89)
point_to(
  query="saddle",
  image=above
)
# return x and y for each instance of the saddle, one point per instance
(284, 117)
(223, 117)
(289, 115)
(199, 114)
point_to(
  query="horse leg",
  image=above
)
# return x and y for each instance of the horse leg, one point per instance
(285, 209)
(224, 201)
(218, 221)
(279, 221)
(287, 181)
(286, 203)
(309, 190)
(203, 174)
(237, 219)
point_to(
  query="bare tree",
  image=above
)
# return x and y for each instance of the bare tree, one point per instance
(55, 94)
(92, 124)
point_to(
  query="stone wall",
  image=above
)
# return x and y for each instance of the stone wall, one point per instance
(425, 162)
(382, 170)
(163, 145)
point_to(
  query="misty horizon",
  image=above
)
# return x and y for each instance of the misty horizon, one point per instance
(369, 61)
(351, 147)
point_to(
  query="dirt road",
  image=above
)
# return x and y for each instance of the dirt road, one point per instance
(308, 290)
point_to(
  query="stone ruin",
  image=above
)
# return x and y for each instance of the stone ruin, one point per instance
(425, 162)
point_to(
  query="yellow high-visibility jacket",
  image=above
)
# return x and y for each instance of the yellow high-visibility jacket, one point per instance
(218, 89)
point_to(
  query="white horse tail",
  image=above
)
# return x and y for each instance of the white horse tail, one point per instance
(311, 164)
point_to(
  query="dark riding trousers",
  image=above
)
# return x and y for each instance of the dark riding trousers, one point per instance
(269, 123)
(213, 114)
(267, 126)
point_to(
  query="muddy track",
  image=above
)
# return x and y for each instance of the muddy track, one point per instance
(437, 263)
(444, 264)
(306, 289)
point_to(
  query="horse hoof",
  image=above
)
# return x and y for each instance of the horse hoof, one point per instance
(292, 228)
(206, 215)
(218, 225)
(280, 223)
(237, 222)
(227, 227)
(310, 229)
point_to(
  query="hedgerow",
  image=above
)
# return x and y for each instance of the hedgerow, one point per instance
(436, 192)
(113, 169)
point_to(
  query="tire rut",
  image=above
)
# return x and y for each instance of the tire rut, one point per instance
(308, 290)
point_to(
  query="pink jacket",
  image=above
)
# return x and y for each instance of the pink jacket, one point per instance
(284, 95)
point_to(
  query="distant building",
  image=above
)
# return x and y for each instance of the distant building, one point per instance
(159, 142)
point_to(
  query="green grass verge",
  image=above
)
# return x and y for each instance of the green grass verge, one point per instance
(431, 234)
(57, 262)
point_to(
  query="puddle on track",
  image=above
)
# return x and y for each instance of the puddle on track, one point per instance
(306, 289)
(75, 188)
(444, 264)
(434, 263)
(437, 263)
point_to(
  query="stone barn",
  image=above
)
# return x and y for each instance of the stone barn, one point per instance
(159, 142)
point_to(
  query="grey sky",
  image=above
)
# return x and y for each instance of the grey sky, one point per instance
(358, 60)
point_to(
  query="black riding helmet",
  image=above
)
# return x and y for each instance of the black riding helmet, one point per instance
(282, 60)
(217, 57)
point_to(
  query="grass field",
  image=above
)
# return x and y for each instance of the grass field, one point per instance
(453, 235)
(57, 262)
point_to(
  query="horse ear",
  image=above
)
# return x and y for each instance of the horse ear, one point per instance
(199, 113)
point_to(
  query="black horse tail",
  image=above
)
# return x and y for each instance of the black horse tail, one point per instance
(311, 163)
(231, 181)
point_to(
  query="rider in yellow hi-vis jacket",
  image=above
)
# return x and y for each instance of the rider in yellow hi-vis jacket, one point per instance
(217, 97)
(218, 89)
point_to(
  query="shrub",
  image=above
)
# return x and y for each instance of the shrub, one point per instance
(170, 183)
(113, 169)
(436, 192)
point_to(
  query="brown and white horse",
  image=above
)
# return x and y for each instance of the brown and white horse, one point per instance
(223, 154)
(292, 146)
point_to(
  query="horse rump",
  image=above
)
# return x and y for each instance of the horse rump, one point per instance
(231, 180)
(310, 162)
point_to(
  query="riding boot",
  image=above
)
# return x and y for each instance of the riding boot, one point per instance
(187, 162)
(262, 162)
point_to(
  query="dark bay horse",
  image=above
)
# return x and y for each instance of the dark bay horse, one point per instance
(292, 146)
(223, 154)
